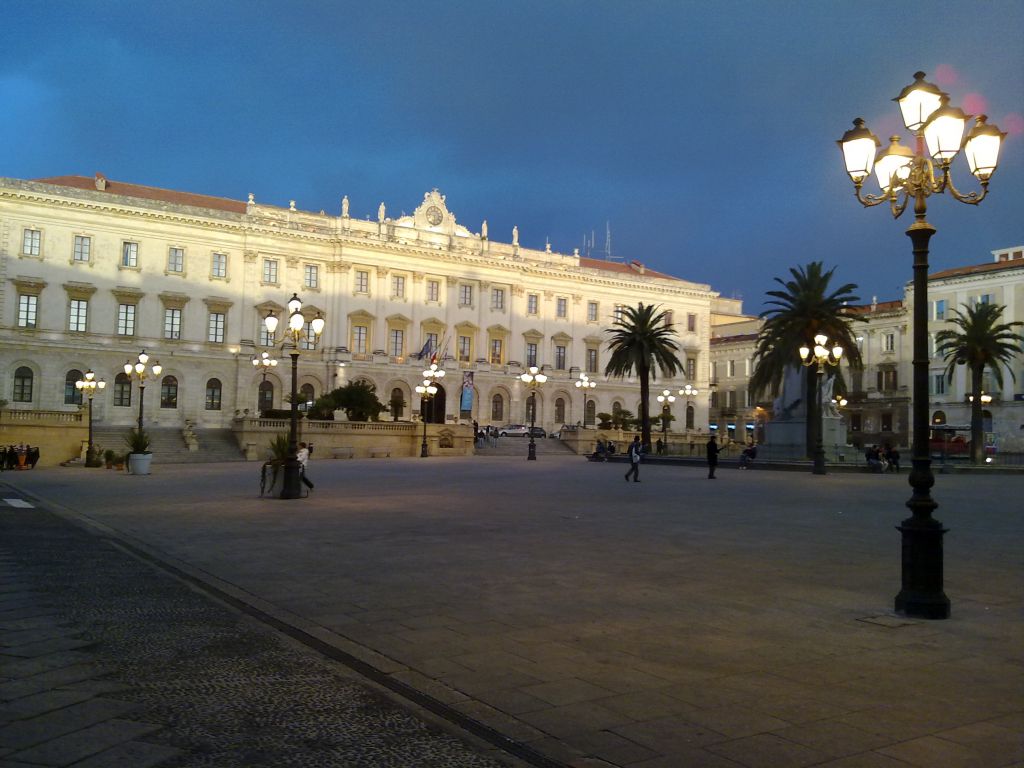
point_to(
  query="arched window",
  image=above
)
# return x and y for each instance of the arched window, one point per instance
(986, 421)
(23, 385)
(122, 390)
(72, 394)
(213, 394)
(591, 415)
(531, 409)
(306, 394)
(689, 417)
(939, 417)
(169, 392)
(497, 408)
(559, 411)
(265, 401)
(397, 403)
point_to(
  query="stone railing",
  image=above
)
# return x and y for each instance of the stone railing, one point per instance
(42, 418)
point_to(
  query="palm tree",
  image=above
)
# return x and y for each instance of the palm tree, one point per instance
(979, 341)
(805, 308)
(642, 341)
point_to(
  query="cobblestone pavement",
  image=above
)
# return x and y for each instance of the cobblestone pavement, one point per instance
(105, 661)
(675, 623)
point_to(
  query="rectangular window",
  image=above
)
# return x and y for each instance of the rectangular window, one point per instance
(172, 323)
(532, 301)
(531, 353)
(125, 319)
(396, 342)
(83, 248)
(176, 260)
(433, 290)
(730, 398)
(889, 342)
(267, 339)
(397, 287)
(308, 338)
(78, 313)
(31, 243)
(669, 317)
(732, 368)
(270, 271)
(28, 307)
(938, 384)
(748, 399)
(311, 276)
(215, 334)
(940, 309)
(887, 380)
(591, 361)
(887, 422)
(431, 343)
(129, 255)
(498, 298)
(560, 358)
(617, 313)
(691, 322)
(562, 307)
(465, 295)
(465, 348)
(219, 265)
(714, 371)
(591, 311)
(495, 351)
(985, 298)
(362, 281)
(122, 391)
(855, 422)
(359, 339)
(691, 368)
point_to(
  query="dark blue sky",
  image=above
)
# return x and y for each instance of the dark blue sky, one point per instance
(703, 131)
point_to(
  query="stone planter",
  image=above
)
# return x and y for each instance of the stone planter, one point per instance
(138, 463)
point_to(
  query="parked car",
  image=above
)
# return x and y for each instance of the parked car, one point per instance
(514, 430)
(537, 431)
(559, 433)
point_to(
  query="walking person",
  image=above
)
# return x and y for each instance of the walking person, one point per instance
(712, 451)
(635, 450)
(303, 457)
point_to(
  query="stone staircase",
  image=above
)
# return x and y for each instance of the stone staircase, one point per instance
(168, 446)
(517, 446)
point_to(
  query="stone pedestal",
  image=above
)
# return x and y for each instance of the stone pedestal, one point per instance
(787, 440)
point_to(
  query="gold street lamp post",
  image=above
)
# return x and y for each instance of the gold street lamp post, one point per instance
(583, 384)
(666, 399)
(821, 356)
(88, 384)
(263, 363)
(426, 391)
(533, 379)
(291, 487)
(904, 175)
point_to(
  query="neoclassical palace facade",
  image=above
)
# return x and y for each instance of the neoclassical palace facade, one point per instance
(94, 271)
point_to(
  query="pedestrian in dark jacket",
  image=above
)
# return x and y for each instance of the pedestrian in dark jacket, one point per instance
(635, 449)
(712, 450)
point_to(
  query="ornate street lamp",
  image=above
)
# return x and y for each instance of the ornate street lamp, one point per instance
(690, 392)
(903, 176)
(666, 399)
(138, 369)
(426, 391)
(533, 379)
(291, 488)
(263, 363)
(88, 384)
(584, 383)
(820, 356)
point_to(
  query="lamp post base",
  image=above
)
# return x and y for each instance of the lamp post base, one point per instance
(531, 453)
(292, 486)
(423, 450)
(922, 595)
(818, 468)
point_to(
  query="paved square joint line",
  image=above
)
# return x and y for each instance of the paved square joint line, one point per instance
(892, 622)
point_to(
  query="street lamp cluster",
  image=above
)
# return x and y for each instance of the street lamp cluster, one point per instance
(533, 378)
(821, 356)
(584, 383)
(139, 370)
(291, 488)
(426, 391)
(904, 175)
(88, 384)
(666, 398)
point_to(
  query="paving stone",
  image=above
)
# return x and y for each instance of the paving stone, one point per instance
(25, 733)
(77, 746)
(13, 667)
(136, 754)
(40, 703)
(44, 647)
(931, 751)
(767, 751)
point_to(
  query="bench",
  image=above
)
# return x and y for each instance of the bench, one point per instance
(344, 452)
(378, 452)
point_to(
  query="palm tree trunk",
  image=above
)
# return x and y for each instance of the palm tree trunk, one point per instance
(977, 432)
(645, 416)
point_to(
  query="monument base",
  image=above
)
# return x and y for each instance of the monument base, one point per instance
(787, 441)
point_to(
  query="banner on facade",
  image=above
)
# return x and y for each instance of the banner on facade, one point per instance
(466, 403)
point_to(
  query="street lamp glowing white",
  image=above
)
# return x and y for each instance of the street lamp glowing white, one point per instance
(138, 369)
(584, 383)
(821, 356)
(426, 391)
(533, 378)
(291, 487)
(88, 384)
(907, 176)
(666, 399)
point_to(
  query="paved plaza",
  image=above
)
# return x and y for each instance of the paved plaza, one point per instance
(678, 622)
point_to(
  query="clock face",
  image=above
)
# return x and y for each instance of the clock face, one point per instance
(434, 215)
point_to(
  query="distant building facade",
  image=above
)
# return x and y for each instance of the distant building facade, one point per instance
(93, 271)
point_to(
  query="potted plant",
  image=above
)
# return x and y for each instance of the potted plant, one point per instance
(272, 466)
(119, 459)
(92, 457)
(108, 457)
(139, 456)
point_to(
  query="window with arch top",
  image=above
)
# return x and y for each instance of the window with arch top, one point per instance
(169, 392)
(72, 394)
